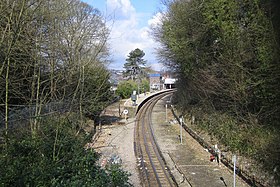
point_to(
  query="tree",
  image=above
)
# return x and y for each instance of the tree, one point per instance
(226, 55)
(135, 64)
(49, 48)
(52, 77)
(225, 51)
(126, 88)
(96, 93)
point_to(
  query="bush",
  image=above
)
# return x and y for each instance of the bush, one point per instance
(145, 86)
(126, 88)
(258, 142)
(54, 156)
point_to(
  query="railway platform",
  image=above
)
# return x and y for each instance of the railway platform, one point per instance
(188, 161)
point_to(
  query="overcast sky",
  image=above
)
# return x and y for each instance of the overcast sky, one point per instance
(130, 21)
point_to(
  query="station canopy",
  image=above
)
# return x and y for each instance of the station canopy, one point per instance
(169, 81)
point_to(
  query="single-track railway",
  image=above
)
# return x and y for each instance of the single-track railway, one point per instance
(151, 164)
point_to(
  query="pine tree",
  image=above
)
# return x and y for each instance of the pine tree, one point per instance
(135, 64)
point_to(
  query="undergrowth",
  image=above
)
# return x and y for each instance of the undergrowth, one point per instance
(254, 141)
(54, 156)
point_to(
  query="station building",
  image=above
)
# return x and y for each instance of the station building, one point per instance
(155, 82)
(159, 82)
(169, 83)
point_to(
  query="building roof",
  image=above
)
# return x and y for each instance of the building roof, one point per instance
(155, 75)
(169, 81)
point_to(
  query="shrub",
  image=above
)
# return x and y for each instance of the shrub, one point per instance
(54, 156)
(126, 88)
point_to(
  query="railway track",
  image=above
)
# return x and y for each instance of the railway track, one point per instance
(151, 164)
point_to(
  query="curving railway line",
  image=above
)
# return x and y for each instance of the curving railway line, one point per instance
(151, 164)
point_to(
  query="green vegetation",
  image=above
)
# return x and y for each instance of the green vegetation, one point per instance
(144, 86)
(53, 52)
(53, 78)
(126, 88)
(54, 157)
(226, 55)
(136, 73)
(135, 65)
(250, 140)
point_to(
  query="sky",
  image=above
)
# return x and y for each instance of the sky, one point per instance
(130, 22)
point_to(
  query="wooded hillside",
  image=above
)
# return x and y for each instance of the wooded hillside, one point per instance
(53, 75)
(226, 55)
(52, 59)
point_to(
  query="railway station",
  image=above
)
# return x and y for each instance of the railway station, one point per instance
(182, 162)
(140, 93)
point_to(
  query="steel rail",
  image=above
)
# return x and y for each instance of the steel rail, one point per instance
(152, 167)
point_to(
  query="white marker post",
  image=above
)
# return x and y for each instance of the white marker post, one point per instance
(125, 113)
(165, 112)
(181, 129)
(134, 97)
(234, 165)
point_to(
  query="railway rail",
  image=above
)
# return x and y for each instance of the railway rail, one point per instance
(151, 164)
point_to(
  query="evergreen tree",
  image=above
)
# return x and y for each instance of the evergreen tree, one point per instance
(135, 64)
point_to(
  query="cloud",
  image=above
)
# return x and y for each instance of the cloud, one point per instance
(128, 33)
(156, 20)
(121, 8)
(157, 66)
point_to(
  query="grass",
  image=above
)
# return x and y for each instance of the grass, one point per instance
(254, 141)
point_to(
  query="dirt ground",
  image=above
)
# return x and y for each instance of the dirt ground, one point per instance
(115, 140)
(188, 162)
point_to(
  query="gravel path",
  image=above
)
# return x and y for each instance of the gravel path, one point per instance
(116, 140)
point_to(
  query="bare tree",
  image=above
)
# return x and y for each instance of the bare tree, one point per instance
(48, 49)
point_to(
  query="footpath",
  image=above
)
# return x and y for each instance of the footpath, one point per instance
(188, 162)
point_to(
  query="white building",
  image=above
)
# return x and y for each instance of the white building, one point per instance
(169, 83)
